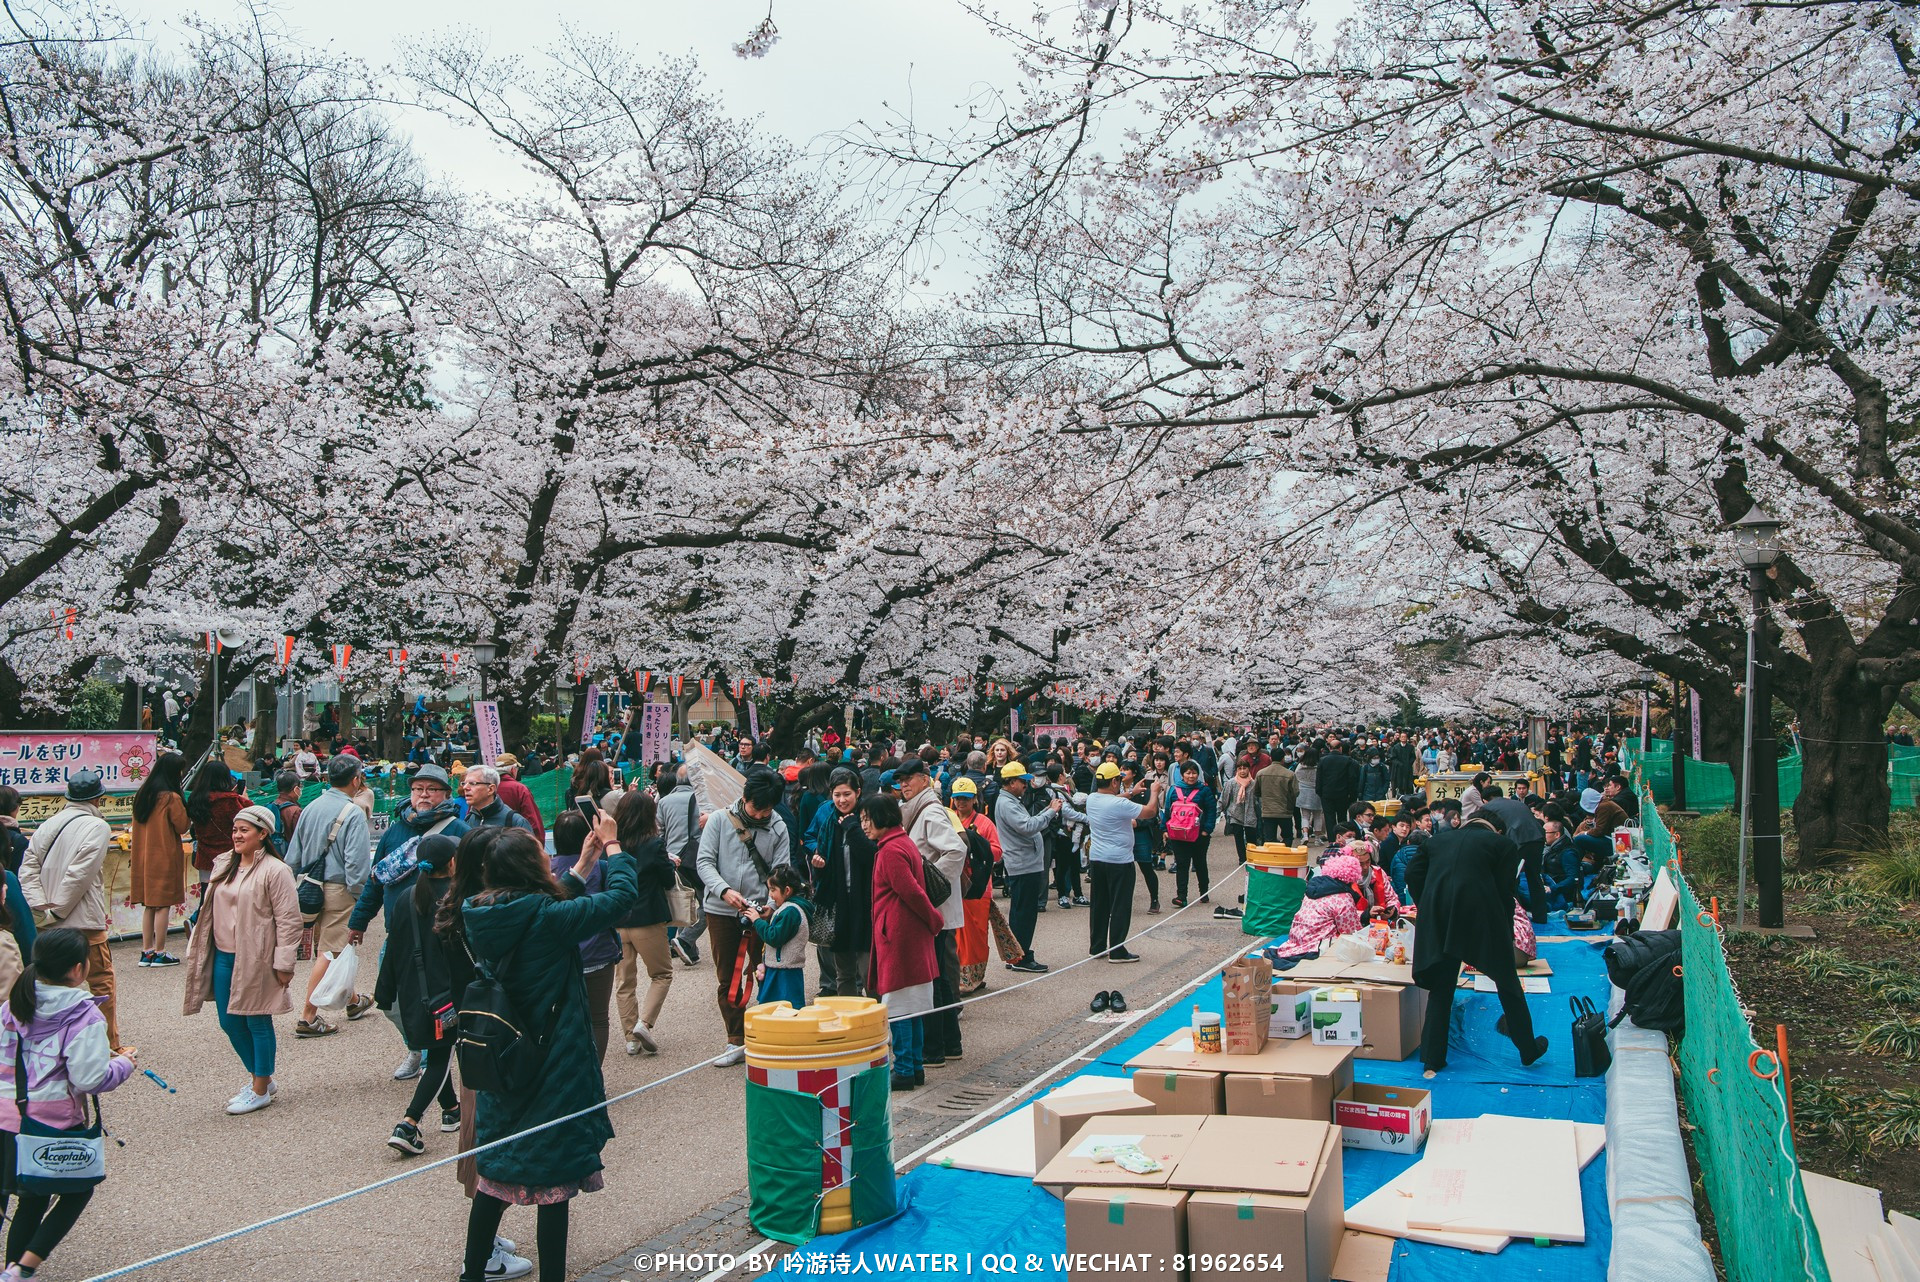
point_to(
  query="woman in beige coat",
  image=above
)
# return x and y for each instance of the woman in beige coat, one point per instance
(242, 951)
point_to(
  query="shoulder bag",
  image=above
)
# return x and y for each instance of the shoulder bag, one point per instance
(47, 1159)
(311, 890)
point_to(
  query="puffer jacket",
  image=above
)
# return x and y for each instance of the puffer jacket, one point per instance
(1326, 913)
(67, 1058)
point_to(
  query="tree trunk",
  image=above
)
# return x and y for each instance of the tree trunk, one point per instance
(576, 718)
(1844, 800)
(393, 745)
(129, 704)
(266, 722)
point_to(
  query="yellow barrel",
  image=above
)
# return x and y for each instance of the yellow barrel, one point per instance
(1387, 807)
(819, 1051)
(1273, 854)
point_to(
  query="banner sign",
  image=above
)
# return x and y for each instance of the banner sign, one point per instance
(593, 714)
(38, 762)
(1056, 734)
(486, 718)
(1693, 747)
(753, 720)
(1013, 723)
(656, 733)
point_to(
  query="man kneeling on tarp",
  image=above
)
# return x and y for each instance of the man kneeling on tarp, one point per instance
(1463, 881)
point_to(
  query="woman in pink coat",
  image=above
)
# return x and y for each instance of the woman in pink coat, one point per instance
(242, 950)
(1328, 911)
(905, 924)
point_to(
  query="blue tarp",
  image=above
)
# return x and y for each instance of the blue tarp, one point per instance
(970, 1215)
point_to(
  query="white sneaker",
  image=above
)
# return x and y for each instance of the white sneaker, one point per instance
(505, 1264)
(643, 1036)
(409, 1068)
(729, 1057)
(273, 1088)
(503, 1245)
(247, 1102)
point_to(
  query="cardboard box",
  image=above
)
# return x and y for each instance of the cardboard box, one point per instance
(1392, 1118)
(1292, 1010)
(1302, 1058)
(1164, 1139)
(1057, 1120)
(1247, 991)
(1338, 1017)
(1105, 1222)
(1390, 1020)
(1273, 1189)
(1180, 1092)
(1305, 1095)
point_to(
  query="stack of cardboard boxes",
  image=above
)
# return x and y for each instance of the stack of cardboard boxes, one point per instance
(1229, 1162)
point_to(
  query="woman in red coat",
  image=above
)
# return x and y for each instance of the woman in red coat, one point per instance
(905, 923)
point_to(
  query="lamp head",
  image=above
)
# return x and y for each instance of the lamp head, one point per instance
(1758, 536)
(484, 651)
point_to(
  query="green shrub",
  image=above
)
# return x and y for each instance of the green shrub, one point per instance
(95, 706)
(1712, 846)
(1895, 870)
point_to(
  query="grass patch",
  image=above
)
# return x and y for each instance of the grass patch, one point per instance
(1896, 1037)
(1712, 846)
(1857, 1118)
(1894, 872)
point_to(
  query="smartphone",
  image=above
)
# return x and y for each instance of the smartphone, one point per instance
(586, 806)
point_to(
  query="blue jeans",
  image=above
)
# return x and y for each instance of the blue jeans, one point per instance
(909, 1039)
(1143, 858)
(251, 1035)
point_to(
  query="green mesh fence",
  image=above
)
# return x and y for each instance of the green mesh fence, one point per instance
(1741, 1136)
(1710, 784)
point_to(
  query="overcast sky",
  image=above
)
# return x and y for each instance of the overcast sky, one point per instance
(837, 62)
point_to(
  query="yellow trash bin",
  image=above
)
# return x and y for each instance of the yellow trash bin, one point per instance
(819, 1125)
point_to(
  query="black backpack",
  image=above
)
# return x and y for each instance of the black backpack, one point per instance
(497, 1049)
(1645, 967)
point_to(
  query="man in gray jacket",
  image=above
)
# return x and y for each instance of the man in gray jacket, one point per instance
(61, 876)
(1023, 855)
(739, 847)
(333, 845)
(936, 833)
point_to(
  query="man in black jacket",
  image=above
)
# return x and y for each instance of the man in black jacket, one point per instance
(1462, 879)
(1525, 831)
(1338, 783)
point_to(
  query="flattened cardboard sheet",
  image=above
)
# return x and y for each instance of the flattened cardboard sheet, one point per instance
(1512, 1176)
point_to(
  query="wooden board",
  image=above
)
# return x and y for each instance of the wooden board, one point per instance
(1890, 1258)
(1517, 1176)
(1848, 1216)
(1384, 1211)
(1906, 1230)
(1662, 902)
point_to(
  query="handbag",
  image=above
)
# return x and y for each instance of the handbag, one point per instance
(47, 1159)
(1591, 1056)
(683, 905)
(939, 887)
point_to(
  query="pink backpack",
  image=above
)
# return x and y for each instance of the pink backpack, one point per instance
(1183, 817)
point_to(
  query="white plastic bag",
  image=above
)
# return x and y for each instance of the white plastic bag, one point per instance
(1356, 947)
(336, 987)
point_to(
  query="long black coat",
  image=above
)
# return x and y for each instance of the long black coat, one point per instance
(1338, 780)
(414, 985)
(1462, 880)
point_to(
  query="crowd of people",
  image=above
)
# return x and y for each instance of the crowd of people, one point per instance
(852, 869)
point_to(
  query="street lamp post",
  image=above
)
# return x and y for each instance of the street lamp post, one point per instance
(1758, 534)
(484, 653)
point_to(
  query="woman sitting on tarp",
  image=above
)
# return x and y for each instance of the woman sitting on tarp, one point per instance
(1328, 911)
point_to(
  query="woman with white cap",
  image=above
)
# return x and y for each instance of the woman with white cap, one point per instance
(242, 950)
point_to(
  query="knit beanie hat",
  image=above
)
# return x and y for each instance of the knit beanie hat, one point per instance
(1342, 868)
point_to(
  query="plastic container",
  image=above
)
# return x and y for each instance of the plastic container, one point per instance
(819, 1122)
(1206, 1032)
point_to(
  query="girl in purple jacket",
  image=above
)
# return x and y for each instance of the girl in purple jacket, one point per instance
(65, 1049)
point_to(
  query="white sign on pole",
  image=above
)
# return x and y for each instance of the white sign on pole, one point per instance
(593, 714)
(486, 718)
(656, 733)
(753, 720)
(1693, 748)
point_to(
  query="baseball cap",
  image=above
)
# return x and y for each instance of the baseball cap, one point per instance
(1015, 770)
(886, 780)
(1106, 770)
(965, 788)
(506, 761)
